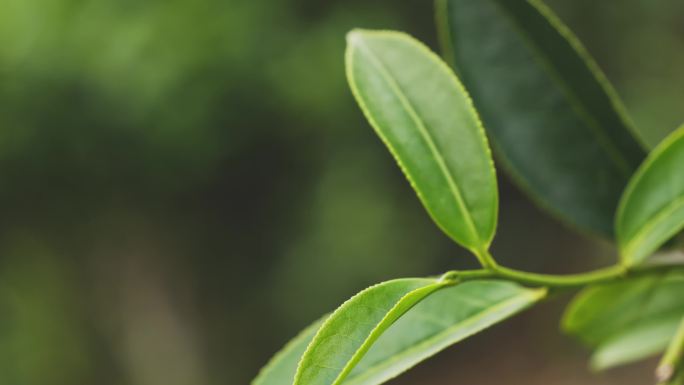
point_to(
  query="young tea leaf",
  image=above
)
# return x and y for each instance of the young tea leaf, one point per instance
(652, 208)
(423, 114)
(280, 370)
(628, 320)
(552, 116)
(350, 331)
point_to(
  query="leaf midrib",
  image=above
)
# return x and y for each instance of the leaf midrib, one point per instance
(425, 134)
(380, 327)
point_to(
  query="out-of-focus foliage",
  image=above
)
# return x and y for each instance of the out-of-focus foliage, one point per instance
(627, 321)
(640, 46)
(41, 328)
(164, 154)
(173, 173)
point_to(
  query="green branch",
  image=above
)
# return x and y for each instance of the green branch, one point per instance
(599, 276)
(485, 259)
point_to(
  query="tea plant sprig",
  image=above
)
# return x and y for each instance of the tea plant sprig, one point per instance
(559, 129)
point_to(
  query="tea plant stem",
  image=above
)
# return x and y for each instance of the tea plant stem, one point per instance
(604, 275)
(547, 280)
(570, 280)
(486, 259)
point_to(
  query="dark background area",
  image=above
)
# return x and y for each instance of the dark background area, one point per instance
(186, 184)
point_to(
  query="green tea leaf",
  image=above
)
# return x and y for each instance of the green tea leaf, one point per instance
(423, 114)
(652, 208)
(641, 341)
(280, 370)
(441, 320)
(351, 330)
(553, 118)
(444, 318)
(628, 320)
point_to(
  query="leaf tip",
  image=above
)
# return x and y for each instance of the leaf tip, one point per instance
(664, 373)
(355, 36)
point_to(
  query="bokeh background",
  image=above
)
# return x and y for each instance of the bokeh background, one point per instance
(184, 184)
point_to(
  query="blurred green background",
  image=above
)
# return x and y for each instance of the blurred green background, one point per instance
(185, 184)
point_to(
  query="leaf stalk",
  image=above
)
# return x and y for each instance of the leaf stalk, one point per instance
(599, 276)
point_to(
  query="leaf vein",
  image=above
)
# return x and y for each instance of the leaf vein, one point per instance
(427, 137)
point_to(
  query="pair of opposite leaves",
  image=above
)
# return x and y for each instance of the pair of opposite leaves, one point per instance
(424, 115)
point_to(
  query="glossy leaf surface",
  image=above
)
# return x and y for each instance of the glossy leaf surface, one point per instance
(550, 113)
(627, 320)
(652, 208)
(280, 370)
(423, 114)
(350, 331)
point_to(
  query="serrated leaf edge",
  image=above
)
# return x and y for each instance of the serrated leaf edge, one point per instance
(431, 286)
(484, 241)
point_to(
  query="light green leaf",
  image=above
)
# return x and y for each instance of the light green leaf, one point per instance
(652, 208)
(441, 320)
(553, 118)
(350, 331)
(628, 320)
(280, 370)
(641, 341)
(423, 114)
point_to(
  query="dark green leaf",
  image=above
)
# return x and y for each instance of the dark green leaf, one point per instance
(628, 320)
(425, 117)
(652, 207)
(553, 118)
